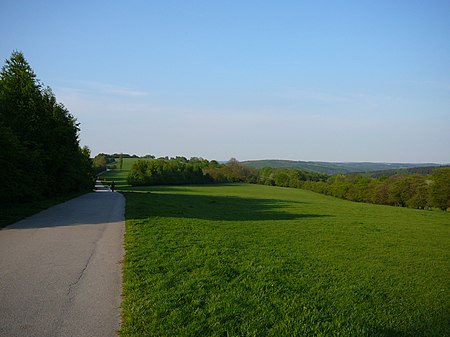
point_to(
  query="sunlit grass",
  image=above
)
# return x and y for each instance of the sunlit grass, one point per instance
(250, 260)
(119, 176)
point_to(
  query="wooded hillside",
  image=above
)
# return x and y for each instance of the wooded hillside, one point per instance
(333, 167)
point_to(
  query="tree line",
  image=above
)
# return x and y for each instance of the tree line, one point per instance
(180, 170)
(40, 155)
(405, 190)
(168, 172)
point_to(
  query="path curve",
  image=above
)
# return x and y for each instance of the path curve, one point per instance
(61, 269)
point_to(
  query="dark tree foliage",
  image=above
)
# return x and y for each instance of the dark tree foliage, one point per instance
(231, 172)
(440, 188)
(423, 170)
(406, 190)
(124, 155)
(180, 170)
(168, 172)
(288, 177)
(40, 153)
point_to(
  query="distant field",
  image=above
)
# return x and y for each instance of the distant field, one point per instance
(252, 260)
(128, 162)
(119, 176)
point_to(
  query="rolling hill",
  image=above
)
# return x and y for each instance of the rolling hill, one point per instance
(333, 167)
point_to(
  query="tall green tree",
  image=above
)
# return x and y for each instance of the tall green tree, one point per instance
(40, 153)
(20, 119)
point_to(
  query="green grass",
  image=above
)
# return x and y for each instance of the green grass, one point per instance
(119, 176)
(116, 175)
(128, 162)
(252, 260)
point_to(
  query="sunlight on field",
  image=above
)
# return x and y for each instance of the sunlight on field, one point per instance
(250, 260)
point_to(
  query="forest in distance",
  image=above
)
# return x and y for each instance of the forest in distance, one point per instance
(332, 168)
(404, 188)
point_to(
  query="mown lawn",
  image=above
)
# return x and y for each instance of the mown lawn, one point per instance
(119, 176)
(252, 260)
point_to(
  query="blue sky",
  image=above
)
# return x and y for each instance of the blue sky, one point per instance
(300, 80)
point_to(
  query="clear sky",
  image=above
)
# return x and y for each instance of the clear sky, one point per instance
(302, 80)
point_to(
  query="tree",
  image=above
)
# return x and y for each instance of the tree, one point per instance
(99, 163)
(440, 188)
(40, 155)
(21, 98)
(121, 161)
(236, 172)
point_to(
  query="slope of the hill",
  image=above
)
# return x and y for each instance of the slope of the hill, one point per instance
(332, 167)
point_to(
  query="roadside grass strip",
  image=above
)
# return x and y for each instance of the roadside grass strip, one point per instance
(252, 260)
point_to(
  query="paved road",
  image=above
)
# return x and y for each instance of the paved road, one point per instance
(60, 270)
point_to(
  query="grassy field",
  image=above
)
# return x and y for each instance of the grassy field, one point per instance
(128, 162)
(252, 260)
(119, 176)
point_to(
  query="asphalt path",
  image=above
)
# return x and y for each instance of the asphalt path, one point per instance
(61, 269)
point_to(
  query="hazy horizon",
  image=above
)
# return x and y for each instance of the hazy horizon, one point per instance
(263, 159)
(331, 81)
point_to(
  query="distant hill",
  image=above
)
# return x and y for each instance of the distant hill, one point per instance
(331, 167)
(425, 170)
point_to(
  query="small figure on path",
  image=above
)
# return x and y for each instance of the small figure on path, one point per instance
(113, 186)
(109, 188)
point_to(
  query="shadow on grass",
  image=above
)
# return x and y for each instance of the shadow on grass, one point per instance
(118, 176)
(141, 204)
(175, 188)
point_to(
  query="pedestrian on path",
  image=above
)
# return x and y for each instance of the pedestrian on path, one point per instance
(113, 186)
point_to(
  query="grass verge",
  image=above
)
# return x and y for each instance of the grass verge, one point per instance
(252, 260)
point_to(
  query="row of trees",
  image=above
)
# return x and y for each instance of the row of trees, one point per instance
(406, 190)
(288, 177)
(180, 170)
(168, 172)
(40, 154)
